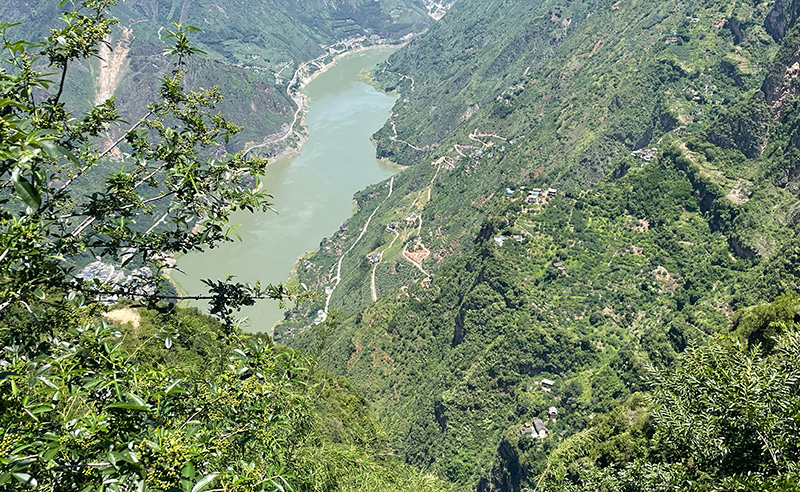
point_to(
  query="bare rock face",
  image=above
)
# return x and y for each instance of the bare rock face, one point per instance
(781, 88)
(781, 18)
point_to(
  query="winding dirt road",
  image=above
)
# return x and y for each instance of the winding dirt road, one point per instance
(338, 277)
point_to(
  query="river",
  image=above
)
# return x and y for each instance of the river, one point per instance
(312, 192)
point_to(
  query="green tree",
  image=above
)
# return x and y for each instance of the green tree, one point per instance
(182, 403)
(724, 418)
(730, 412)
(174, 190)
(78, 410)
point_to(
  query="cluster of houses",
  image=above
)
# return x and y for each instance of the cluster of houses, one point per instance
(560, 267)
(499, 240)
(537, 429)
(138, 283)
(646, 155)
(374, 257)
(537, 195)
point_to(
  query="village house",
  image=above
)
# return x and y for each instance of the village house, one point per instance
(411, 218)
(646, 155)
(527, 429)
(553, 411)
(537, 430)
(547, 384)
(541, 430)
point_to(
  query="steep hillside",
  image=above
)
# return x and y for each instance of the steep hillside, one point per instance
(669, 131)
(475, 53)
(569, 124)
(252, 51)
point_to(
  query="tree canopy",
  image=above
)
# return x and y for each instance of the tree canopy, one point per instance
(74, 189)
(174, 400)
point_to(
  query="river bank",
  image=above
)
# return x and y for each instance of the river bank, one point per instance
(297, 126)
(312, 192)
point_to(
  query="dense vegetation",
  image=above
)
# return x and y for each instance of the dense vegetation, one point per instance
(175, 402)
(634, 330)
(143, 395)
(620, 287)
(249, 54)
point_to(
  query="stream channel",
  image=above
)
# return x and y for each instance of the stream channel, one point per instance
(312, 192)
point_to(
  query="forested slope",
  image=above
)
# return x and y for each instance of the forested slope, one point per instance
(101, 395)
(565, 302)
(615, 85)
(252, 50)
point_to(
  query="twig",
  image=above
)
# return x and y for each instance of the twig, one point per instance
(61, 83)
(85, 168)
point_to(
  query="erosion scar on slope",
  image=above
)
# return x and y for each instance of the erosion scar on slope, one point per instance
(111, 63)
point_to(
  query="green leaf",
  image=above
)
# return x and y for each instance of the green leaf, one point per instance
(69, 155)
(50, 148)
(128, 406)
(24, 460)
(52, 452)
(25, 190)
(188, 471)
(204, 483)
(25, 478)
(7, 374)
(172, 388)
(137, 400)
(133, 403)
(8, 102)
(47, 382)
(44, 407)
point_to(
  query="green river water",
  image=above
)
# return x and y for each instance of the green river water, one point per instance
(312, 192)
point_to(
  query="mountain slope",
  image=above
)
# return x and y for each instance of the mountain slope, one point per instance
(252, 51)
(570, 123)
(638, 256)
